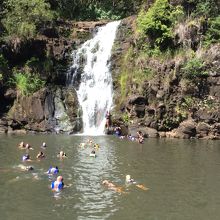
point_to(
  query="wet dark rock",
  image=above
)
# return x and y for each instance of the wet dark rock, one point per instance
(48, 110)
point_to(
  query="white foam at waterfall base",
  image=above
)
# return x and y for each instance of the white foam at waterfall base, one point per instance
(95, 91)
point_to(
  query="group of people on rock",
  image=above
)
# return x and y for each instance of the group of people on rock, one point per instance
(56, 185)
(139, 135)
(118, 131)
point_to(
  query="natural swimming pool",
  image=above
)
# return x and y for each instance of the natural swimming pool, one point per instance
(182, 176)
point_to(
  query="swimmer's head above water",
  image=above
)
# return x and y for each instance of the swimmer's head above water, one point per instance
(128, 179)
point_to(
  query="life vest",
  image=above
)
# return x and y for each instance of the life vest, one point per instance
(25, 157)
(53, 170)
(57, 186)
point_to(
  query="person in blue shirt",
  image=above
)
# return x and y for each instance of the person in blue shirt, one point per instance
(58, 184)
(53, 170)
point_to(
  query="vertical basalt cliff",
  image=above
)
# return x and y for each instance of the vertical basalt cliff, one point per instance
(164, 103)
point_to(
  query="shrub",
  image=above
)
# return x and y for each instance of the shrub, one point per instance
(157, 23)
(23, 17)
(213, 33)
(193, 68)
(26, 83)
(3, 67)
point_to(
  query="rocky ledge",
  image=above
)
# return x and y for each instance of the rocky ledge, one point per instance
(165, 104)
(48, 110)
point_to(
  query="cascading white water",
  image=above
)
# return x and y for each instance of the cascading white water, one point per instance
(95, 89)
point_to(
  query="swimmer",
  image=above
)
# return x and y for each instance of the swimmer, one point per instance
(61, 155)
(26, 157)
(141, 186)
(89, 141)
(25, 168)
(96, 146)
(40, 155)
(28, 147)
(53, 170)
(112, 186)
(129, 180)
(21, 145)
(58, 184)
(43, 145)
(82, 145)
(92, 154)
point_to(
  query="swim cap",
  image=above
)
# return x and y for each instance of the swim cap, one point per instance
(128, 178)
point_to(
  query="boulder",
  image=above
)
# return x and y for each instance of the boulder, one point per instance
(202, 130)
(186, 130)
(148, 132)
(48, 110)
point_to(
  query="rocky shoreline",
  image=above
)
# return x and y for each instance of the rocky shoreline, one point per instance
(164, 106)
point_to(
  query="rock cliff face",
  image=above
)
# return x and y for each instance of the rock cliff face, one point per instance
(165, 104)
(48, 110)
(54, 108)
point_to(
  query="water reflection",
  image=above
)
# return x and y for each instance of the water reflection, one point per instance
(89, 173)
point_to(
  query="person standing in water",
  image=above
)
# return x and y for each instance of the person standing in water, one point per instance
(58, 184)
(108, 120)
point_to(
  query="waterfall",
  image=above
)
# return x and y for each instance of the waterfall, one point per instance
(91, 76)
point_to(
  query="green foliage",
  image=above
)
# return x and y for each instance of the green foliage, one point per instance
(95, 9)
(132, 73)
(205, 8)
(193, 68)
(101, 14)
(125, 71)
(23, 17)
(141, 74)
(158, 22)
(25, 82)
(3, 63)
(35, 65)
(213, 33)
(3, 68)
(170, 123)
(126, 119)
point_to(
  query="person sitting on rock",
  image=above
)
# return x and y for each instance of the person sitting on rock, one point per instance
(118, 131)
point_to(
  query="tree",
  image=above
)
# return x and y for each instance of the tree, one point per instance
(23, 17)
